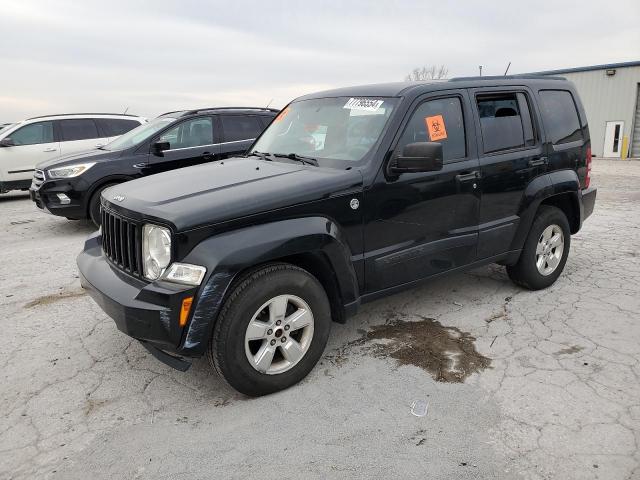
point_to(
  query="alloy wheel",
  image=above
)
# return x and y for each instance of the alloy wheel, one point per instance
(549, 250)
(279, 334)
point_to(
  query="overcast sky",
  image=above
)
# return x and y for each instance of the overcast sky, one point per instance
(155, 56)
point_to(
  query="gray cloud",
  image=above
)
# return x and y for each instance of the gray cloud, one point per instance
(164, 55)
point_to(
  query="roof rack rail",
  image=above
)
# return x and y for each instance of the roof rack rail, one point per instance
(199, 110)
(84, 113)
(172, 111)
(523, 76)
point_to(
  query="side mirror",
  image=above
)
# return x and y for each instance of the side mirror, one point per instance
(417, 157)
(158, 147)
(7, 142)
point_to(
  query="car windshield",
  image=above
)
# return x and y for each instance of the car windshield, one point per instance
(7, 126)
(340, 128)
(139, 134)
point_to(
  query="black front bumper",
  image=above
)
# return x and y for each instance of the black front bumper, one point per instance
(148, 312)
(45, 197)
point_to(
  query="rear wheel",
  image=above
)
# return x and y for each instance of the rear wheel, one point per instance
(271, 331)
(545, 251)
(94, 204)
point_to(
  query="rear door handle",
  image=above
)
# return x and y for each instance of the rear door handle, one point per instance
(51, 150)
(98, 145)
(207, 155)
(467, 177)
(537, 162)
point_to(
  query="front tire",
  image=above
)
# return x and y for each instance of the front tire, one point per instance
(94, 204)
(545, 250)
(271, 331)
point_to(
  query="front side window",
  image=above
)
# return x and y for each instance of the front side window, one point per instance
(240, 127)
(439, 120)
(33, 134)
(560, 116)
(333, 130)
(192, 133)
(505, 121)
(78, 129)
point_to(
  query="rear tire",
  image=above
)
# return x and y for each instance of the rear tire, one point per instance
(545, 250)
(271, 331)
(94, 204)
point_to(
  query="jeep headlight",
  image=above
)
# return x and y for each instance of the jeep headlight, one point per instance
(70, 170)
(156, 250)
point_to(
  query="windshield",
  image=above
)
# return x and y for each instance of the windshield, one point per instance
(139, 134)
(4, 127)
(340, 128)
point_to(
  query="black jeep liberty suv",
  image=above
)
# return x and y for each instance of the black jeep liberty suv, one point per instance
(349, 195)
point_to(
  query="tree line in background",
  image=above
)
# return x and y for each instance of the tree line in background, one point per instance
(428, 72)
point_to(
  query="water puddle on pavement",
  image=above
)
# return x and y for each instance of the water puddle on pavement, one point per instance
(447, 353)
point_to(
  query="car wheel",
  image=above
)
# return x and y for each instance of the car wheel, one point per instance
(271, 331)
(94, 204)
(545, 250)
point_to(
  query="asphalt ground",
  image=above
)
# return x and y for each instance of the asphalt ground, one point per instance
(516, 384)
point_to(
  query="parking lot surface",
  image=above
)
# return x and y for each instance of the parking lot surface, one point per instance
(517, 384)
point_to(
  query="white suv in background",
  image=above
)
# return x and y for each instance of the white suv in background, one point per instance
(25, 144)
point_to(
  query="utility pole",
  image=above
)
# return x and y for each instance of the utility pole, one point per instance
(505, 72)
(480, 67)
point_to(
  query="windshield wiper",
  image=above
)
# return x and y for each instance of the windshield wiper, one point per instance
(261, 155)
(299, 158)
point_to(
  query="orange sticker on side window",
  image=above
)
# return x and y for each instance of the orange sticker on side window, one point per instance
(282, 114)
(436, 128)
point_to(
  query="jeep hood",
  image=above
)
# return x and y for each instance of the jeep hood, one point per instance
(220, 191)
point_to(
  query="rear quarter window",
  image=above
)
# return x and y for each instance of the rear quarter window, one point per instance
(560, 116)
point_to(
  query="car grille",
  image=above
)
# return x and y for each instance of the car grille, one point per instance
(38, 179)
(122, 242)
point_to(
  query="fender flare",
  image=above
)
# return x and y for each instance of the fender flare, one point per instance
(229, 254)
(538, 190)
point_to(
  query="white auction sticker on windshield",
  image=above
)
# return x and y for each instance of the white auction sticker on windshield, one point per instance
(366, 104)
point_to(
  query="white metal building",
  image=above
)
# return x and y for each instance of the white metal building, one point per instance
(611, 97)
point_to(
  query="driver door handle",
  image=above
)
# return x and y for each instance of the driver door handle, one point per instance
(537, 162)
(467, 177)
(50, 150)
(207, 155)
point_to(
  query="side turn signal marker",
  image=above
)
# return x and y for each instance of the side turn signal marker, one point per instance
(184, 311)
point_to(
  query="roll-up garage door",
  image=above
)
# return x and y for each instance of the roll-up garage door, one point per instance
(635, 140)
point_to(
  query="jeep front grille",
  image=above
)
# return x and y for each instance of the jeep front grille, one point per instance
(38, 179)
(122, 242)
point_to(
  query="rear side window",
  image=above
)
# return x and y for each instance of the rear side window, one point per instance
(267, 119)
(560, 116)
(78, 129)
(439, 120)
(240, 127)
(33, 134)
(114, 127)
(505, 120)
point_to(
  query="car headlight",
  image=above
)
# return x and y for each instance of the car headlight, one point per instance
(156, 250)
(185, 273)
(70, 170)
